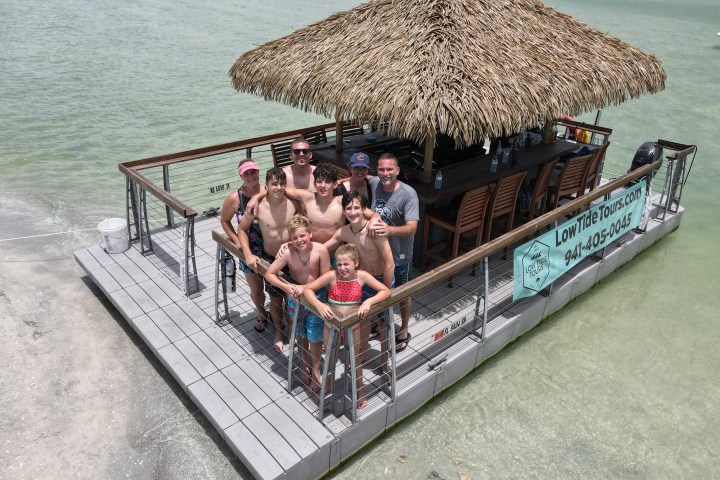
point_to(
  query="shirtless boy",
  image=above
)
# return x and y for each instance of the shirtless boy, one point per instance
(306, 260)
(375, 253)
(324, 210)
(299, 174)
(273, 213)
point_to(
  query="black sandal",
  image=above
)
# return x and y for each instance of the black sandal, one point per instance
(404, 341)
(261, 324)
(374, 331)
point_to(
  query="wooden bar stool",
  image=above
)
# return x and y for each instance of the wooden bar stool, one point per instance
(539, 193)
(571, 180)
(470, 217)
(503, 202)
(591, 176)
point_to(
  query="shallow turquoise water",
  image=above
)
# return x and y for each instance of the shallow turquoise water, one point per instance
(622, 383)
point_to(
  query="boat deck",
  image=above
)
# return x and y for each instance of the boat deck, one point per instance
(236, 378)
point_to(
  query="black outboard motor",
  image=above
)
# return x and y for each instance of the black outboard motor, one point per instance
(649, 152)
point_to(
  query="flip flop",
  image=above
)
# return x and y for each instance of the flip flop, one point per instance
(404, 341)
(260, 324)
(374, 331)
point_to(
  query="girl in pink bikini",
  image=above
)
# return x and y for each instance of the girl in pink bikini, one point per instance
(344, 287)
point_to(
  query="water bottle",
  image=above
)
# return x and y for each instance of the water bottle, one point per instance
(493, 165)
(438, 180)
(229, 277)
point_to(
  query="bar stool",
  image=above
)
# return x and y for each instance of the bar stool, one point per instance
(470, 216)
(571, 180)
(591, 176)
(539, 193)
(503, 202)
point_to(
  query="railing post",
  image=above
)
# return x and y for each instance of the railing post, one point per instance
(329, 356)
(353, 373)
(166, 186)
(390, 317)
(131, 213)
(486, 294)
(291, 353)
(188, 257)
(482, 297)
(221, 257)
(143, 225)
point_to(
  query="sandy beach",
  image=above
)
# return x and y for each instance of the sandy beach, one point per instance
(83, 396)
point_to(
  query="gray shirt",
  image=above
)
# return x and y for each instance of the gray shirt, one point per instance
(396, 209)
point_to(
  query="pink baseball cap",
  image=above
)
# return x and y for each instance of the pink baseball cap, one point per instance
(247, 166)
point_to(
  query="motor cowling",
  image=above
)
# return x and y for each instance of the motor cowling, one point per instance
(649, 152)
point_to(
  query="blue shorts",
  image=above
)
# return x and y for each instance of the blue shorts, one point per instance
(402, 274)
(309, 325)
(368, 291)
(245, 269)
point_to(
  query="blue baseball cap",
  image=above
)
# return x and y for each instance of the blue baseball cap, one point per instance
(360, 159)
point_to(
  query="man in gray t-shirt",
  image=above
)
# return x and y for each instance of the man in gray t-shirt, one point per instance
(399, 209)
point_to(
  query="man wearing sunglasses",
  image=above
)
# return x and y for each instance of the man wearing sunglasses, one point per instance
(299, 174)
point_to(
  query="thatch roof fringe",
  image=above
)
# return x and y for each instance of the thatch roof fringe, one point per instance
(469, 68)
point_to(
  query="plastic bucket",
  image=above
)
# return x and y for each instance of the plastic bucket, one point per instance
(114, 235)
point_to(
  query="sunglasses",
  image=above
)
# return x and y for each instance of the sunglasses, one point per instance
(298, 151)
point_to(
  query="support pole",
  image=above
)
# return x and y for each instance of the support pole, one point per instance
(547, 136)
(429, 147)
(338, 134)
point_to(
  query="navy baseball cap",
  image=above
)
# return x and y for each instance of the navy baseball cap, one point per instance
(360, 159)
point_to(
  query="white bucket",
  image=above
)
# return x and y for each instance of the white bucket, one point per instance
(114, 235)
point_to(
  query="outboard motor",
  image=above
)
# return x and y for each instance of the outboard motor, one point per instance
(649, 152)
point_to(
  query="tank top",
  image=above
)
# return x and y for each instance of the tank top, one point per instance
(345, 292)
(340, 190)
(254, 234)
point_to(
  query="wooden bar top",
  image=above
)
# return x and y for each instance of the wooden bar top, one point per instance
(475, 172)
(457, 178)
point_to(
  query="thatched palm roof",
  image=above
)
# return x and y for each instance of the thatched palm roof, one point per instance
(470, 67)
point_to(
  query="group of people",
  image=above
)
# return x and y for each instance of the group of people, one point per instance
(300, 219)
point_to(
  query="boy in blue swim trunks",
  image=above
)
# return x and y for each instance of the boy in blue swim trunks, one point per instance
(306, 261)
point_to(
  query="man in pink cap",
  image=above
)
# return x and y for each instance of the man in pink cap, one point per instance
(234, 206)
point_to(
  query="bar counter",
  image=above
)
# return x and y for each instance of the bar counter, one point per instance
(457, 178)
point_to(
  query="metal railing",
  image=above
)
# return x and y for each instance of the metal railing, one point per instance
(165, 194)
(468, 309)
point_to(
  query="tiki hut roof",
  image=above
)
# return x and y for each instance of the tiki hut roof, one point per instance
(468, 67)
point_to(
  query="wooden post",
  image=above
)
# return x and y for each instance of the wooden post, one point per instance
(338, 133)
(548, 132)
(429, 147)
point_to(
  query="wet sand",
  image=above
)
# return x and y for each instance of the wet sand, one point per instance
(82, 396)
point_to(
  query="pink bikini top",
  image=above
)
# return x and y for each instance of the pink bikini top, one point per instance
(345, 292)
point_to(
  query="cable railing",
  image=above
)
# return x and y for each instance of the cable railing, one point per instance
(484, 289)
(165, 194)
